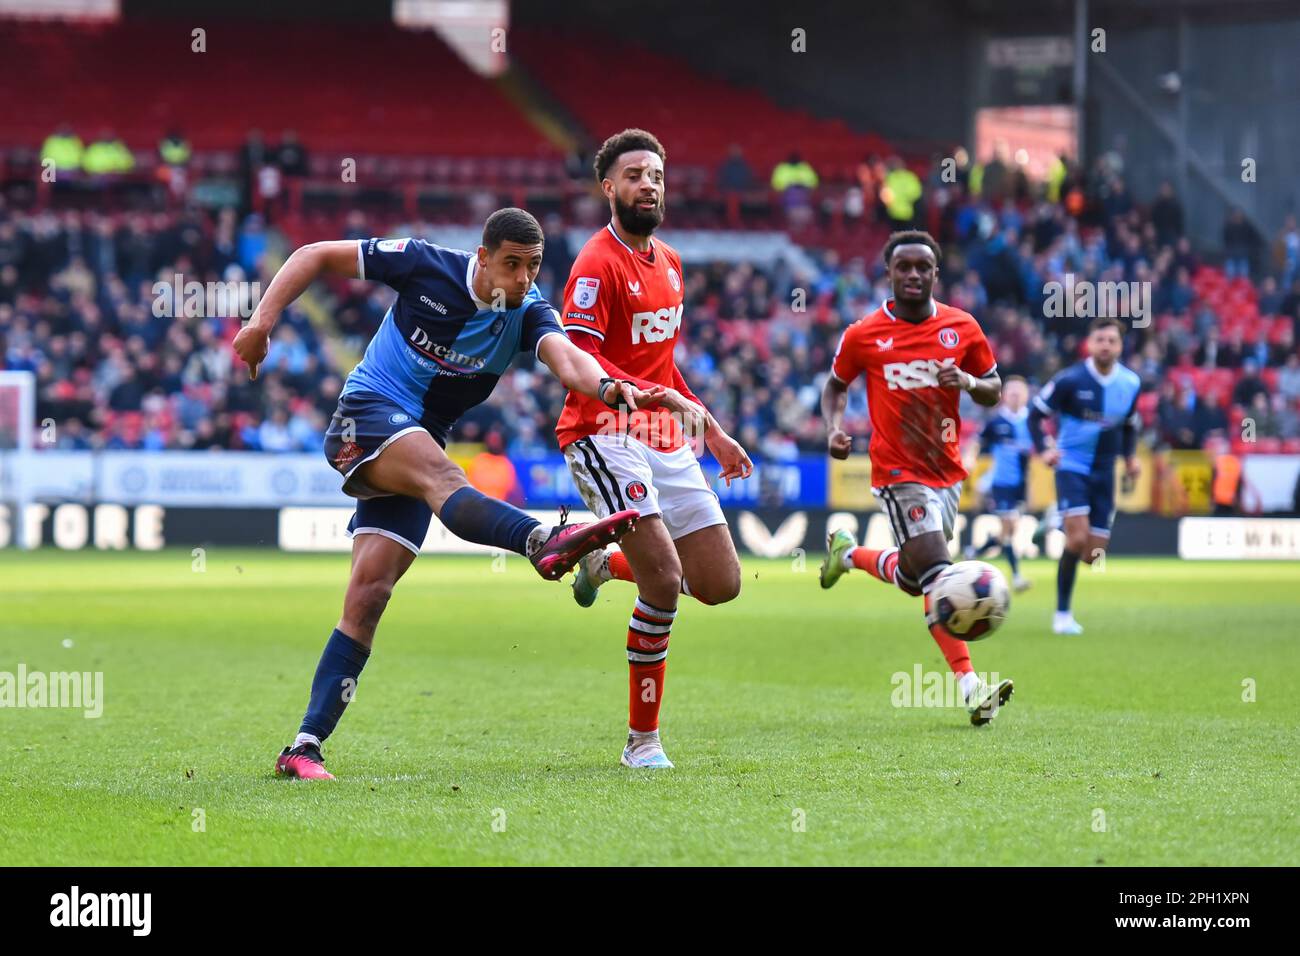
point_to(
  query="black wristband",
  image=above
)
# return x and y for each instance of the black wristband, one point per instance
(618, 397)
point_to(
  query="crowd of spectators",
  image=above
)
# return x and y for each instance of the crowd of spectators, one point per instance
(86, 303)
(90, 305)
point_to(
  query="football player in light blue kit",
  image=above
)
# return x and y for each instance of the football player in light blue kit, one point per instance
(1006, 437)
(457, 324)
(1095, 402)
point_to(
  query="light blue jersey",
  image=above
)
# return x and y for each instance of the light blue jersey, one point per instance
(440, 349)
(1006, 437)
(1092, 411)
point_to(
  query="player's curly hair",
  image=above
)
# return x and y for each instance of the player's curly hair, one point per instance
(911, 237)
(628, 141)
(511, 225)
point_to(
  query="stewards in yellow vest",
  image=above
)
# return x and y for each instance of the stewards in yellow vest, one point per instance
(108, 154)
(901, 190)
(174, 149)
(794, 171)
(1056, 174)
(63, 146)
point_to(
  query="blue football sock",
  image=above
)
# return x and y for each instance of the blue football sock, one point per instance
(1065, 579)
(1009, 553)
(473, 516)
(334, 685)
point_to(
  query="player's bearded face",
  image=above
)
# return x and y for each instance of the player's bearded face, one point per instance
(634, 216)
(1104, 346)
(637, 192)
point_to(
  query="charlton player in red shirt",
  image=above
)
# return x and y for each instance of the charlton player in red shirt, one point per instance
(624, 305)
(918, 356)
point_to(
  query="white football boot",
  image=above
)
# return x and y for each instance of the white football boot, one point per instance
(645, 750)
(1064, 623)
(985, 700)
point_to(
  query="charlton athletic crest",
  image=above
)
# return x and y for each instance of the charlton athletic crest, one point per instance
(636, 491)
(917, 512)
(674, 279)
(948, 338)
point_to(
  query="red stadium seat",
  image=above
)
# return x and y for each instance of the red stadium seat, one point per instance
(697, 115)
(327, 84)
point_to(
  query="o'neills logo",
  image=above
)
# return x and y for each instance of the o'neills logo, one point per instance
(103, 909)
(420, 339)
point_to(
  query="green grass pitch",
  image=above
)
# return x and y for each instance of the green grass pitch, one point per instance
(488, 724)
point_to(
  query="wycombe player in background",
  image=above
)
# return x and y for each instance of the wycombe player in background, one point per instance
(456, 325)
(1095, 404)
(1006, 437)
(623, 304)
(918, 356)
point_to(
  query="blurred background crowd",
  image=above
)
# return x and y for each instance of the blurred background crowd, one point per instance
(88, 303)
(110, 205)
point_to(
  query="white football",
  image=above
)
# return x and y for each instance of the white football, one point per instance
(970, 599)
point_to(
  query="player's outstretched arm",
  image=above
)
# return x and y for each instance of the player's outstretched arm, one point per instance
(692, 416)
(835, 398)
(579, 372)
(729, 453)
(301, 269)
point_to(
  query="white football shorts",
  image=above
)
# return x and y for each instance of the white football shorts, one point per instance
(914, 508)
(614, 473)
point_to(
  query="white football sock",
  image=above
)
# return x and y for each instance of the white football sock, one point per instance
(967, 683)
(307, 739)
(536, 538)
(846, 559)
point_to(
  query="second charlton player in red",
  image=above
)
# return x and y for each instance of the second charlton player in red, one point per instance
(918, 356)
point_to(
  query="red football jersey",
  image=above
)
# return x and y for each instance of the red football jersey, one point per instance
(632, 303)
(915, 425)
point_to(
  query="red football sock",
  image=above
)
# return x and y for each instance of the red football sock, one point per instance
(864, 559)
(954, 651)
(619, 569)
(883, 566)
(647, 653)
(645, 692)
